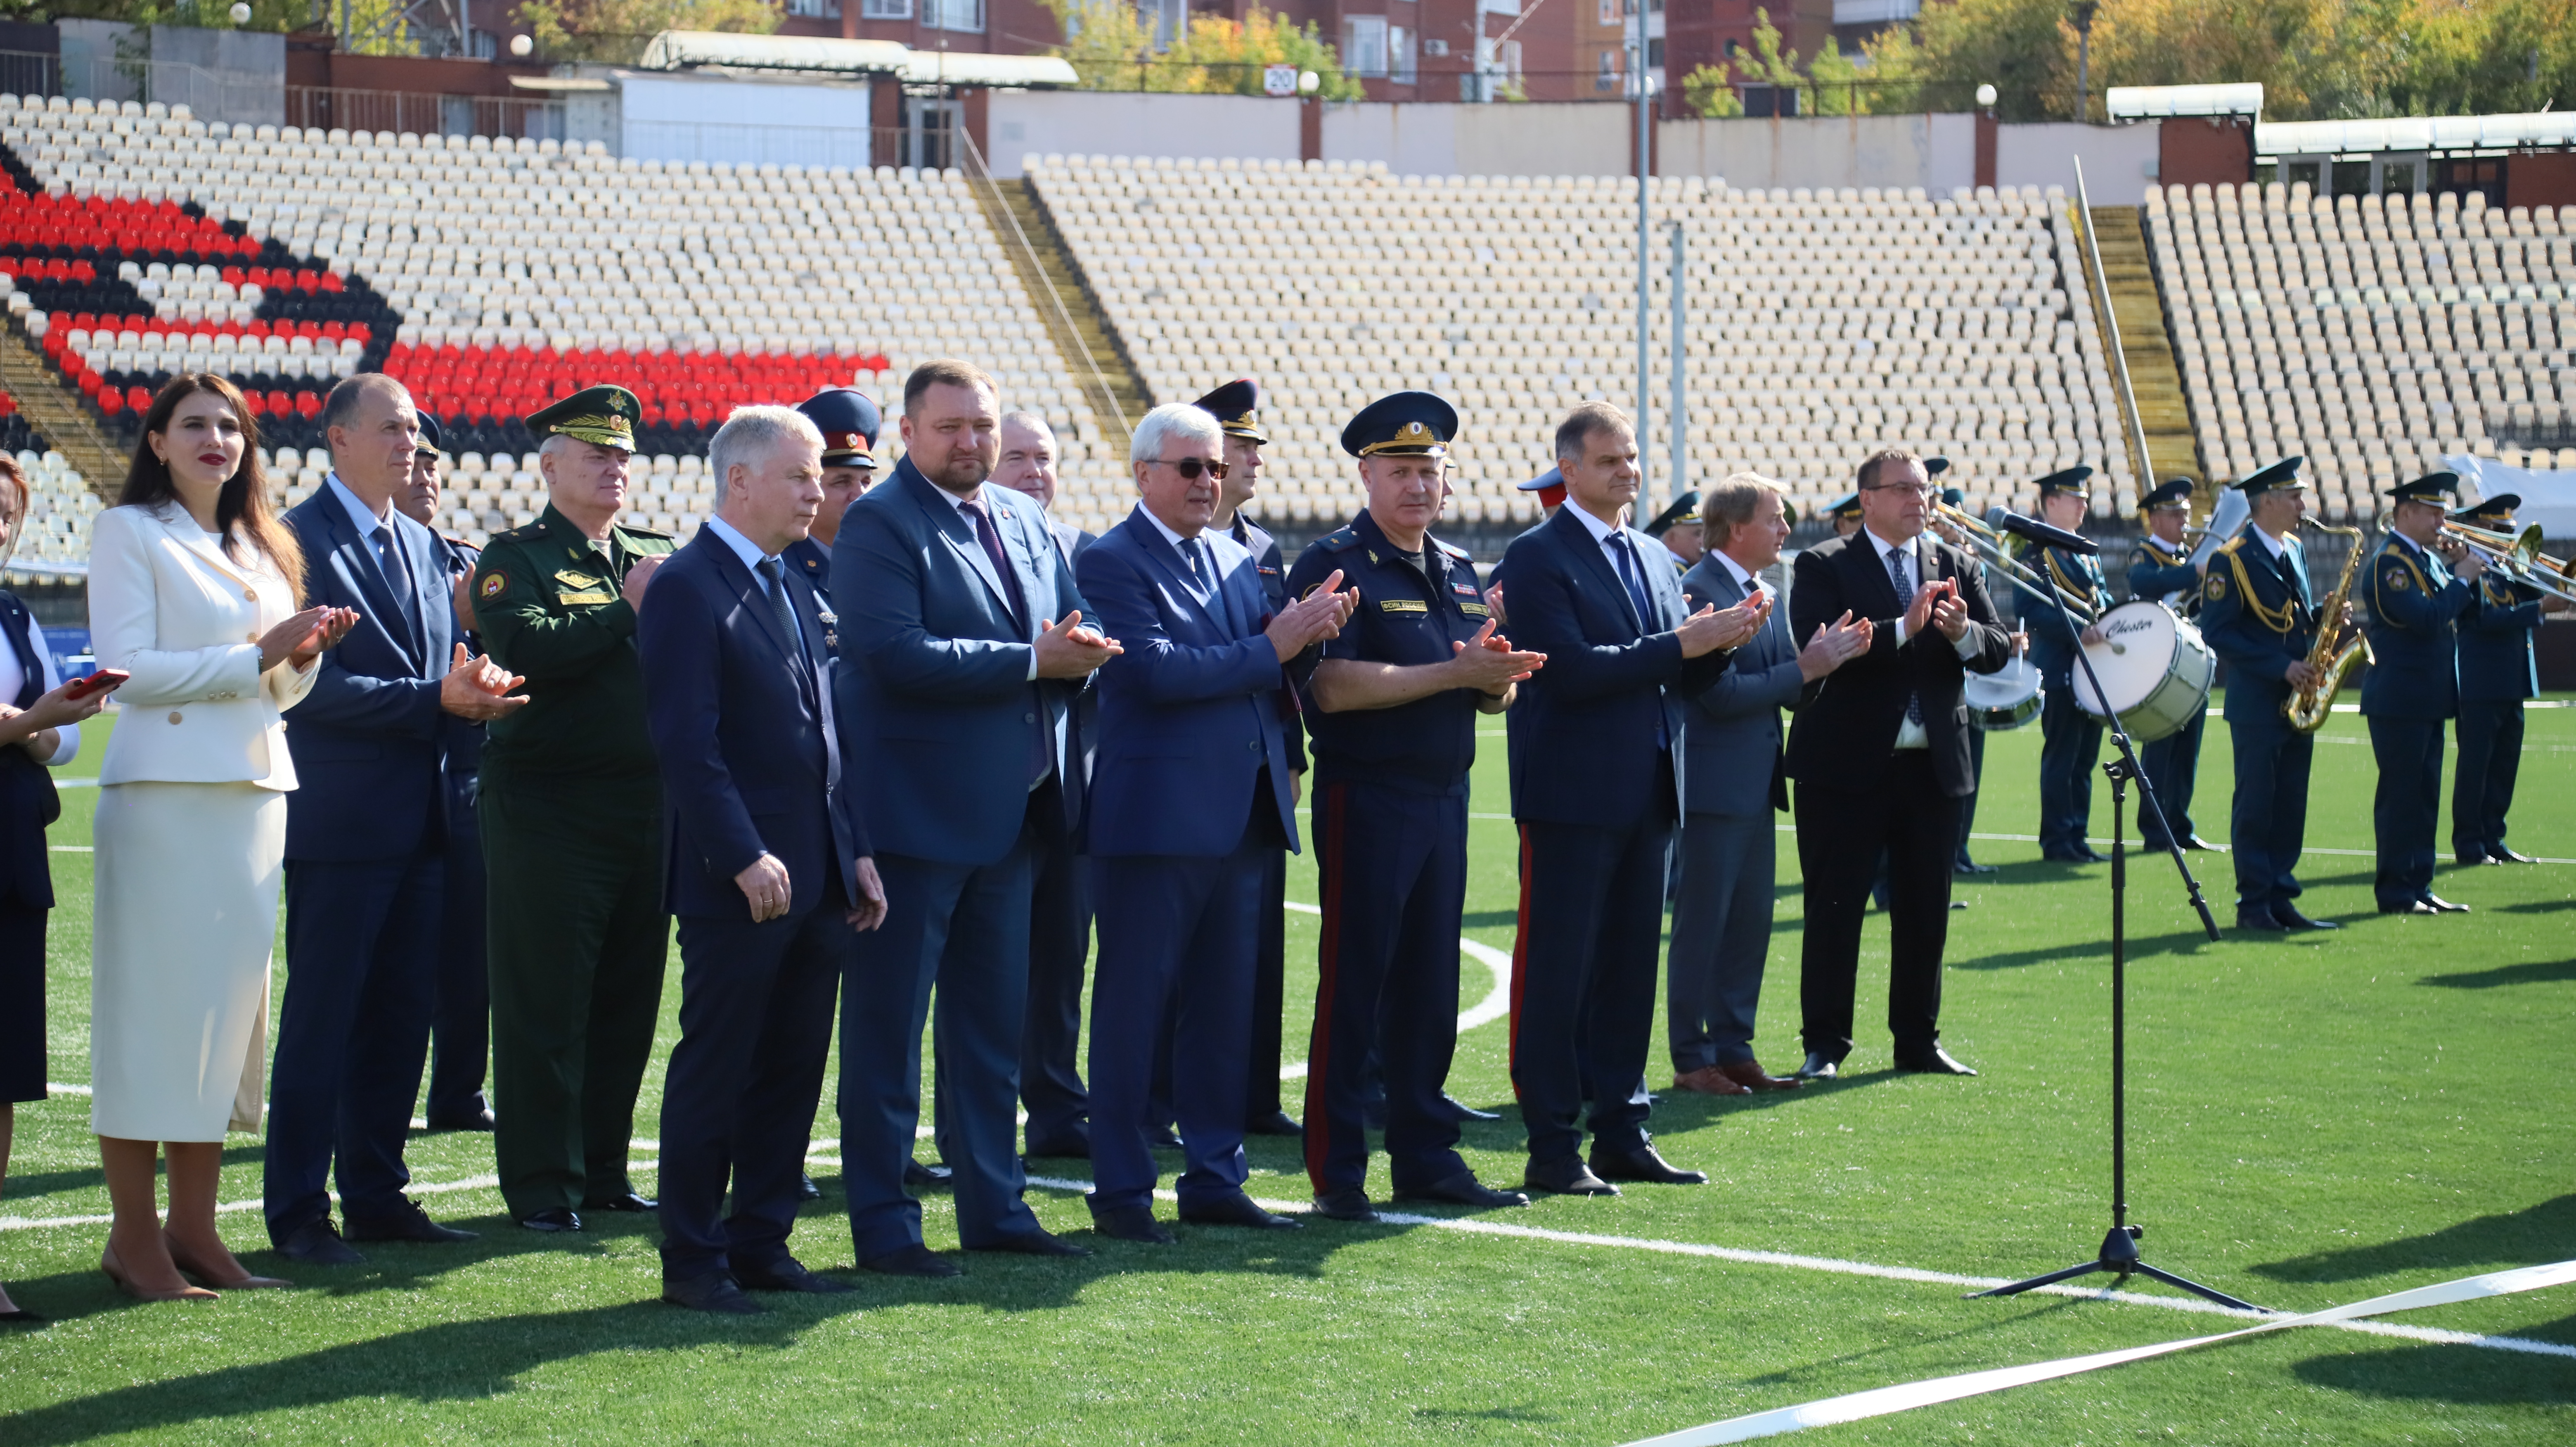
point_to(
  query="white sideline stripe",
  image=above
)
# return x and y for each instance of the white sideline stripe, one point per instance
(1858, 1406)
(1496, 1004)
(1478, 1227)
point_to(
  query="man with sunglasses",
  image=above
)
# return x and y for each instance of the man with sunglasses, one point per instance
(1189, 795)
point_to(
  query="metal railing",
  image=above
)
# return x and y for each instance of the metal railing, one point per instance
(426, 113)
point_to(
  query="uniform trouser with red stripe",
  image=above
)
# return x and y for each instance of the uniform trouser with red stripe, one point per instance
(1394, 872)
(1583, 981)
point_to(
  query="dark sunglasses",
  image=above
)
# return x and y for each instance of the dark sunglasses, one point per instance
(1191, 467)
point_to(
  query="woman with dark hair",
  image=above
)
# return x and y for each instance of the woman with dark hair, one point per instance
(194, 589)
(39, 727)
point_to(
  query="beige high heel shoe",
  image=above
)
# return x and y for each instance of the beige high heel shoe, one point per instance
(115, 1271)
(181, 1258)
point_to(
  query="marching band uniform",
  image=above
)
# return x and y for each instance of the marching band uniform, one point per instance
(2163, 571)
(2413, 686)
(2258, 613)
(2496, 674)
(2071, 739)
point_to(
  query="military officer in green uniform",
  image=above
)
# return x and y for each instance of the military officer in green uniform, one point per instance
(572, 826)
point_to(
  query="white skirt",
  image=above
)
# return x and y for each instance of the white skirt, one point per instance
(185, 921)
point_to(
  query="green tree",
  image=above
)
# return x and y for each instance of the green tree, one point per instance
(1710, 91)
(615, 32)
(1111, 46)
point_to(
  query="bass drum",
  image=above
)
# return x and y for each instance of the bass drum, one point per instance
(2154, 666)
(2004, 699)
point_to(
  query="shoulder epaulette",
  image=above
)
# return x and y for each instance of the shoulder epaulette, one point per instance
(2232, 544)
(1455, 551)
(646, 532)
(529, 533)
(1341, 541)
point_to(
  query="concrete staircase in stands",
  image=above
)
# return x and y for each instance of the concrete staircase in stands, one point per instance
(2137, 305)
(1064, 300)
(55, 410)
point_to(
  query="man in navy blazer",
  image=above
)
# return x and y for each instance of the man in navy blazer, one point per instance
(961, 651)
(1189, 792)
(769, 868)
(1596, 769)
(1731, 747)
(366, 835)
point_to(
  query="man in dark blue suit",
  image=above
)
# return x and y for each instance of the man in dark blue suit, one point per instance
(1731, 747)
(2413, 686)
(1189, 794)
(366, 835)
(1596, 768)
(769, 874)
(961, 651)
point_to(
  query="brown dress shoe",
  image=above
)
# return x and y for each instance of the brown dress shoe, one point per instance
(1751, 1076)
(1709, 1080)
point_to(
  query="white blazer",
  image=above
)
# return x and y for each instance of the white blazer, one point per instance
(168, 606)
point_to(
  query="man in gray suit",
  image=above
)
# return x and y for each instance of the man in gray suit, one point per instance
(1731, 737)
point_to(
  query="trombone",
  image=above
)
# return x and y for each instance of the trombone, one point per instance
(2518, 556)
(1989, 545)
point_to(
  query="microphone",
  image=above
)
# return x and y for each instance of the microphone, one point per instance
(2041, 533)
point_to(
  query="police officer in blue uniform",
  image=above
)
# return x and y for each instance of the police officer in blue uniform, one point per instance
(1845, 515)
(849, 421)
(2413, 686)
(1392, 705)
(2258, 613)
(2071, 739)
(2160, 568)
(2497, 673)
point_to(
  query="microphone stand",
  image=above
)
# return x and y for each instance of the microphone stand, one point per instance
(2119, 1251)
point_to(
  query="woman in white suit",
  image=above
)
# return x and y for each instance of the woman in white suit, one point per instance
(194, 590)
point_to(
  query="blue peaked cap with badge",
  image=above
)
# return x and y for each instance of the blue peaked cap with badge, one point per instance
(849, 421)
(2498, 506)
(2439, 488)
(1235, 406)
(2172, 492)
(1402, 424)
(428, 446)
(2071, 480)
(2281, 476)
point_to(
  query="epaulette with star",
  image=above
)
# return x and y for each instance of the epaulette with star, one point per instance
(1455, 551)
(527, 534)
(1340, 541)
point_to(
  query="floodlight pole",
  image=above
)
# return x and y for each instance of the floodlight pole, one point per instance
(1676, 416)
(1645, 334)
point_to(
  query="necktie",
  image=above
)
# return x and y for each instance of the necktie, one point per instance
(992, 541)
(389, 558)
(1190, 548)
(1903, 577)
(1634, 578)
(774, 573)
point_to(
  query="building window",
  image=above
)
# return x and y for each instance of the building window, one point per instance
(815, 9)
(1654, 52)
(1435, 47)
(967, 15)
(482, 44)
(1399, 52)
(1364, 45)
(885, 9)
(1733, 50)
(1614, 66)
(1610, 12)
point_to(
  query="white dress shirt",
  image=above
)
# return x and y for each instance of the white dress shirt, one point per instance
(1909, 734)
(13, 679)
(1602, 533)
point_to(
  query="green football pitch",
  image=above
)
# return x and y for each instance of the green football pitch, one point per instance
(2314, 1120)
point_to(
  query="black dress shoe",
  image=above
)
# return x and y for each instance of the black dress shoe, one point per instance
(1936, 1063)
(1350, 1203)
(806, 1190)
(913, 1260)
(1033, 1243)
(1566, 1177)
(1965, 865)
(1074, 1145)
(552, 1219)
(2444, 906)
(2501, 854)
(480, 1118)
(318, 1243)
(919, 1177)
(2476, 860)
(715, 1292)
(1459, 1110)
(1163, 1138)
(1643, 1164)
(1236, 1209)
(409, 1223)
(1463, 1189)
(1275, 1123)
(1818, 1067)
(1131, 1223)
(790, 1275)
(627, 1202)
(20, 1317)
(2196, 843)
(2290, 918)
(2411, 906)
(2257, 917)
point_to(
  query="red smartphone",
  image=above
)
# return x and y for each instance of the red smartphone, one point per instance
(102, 681)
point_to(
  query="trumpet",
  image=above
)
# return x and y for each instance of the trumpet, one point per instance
(2517, 555)
(1990, 546)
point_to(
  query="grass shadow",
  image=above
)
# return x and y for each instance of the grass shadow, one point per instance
(92, 1178)
(2512, 1238)
(1809, 1371)
(2462, 1376)
(2172, 942)
(2530, 972)
(1489, 919)
(2535, 906)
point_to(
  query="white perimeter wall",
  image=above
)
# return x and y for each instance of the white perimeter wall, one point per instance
(712, 118)
(1128, 123)
(1450, 139)
(2119, 161)
(1933, 152)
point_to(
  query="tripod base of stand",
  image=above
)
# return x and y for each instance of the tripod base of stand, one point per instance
(2119, 1256)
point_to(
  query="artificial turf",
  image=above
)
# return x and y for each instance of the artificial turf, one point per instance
(2313, 1120)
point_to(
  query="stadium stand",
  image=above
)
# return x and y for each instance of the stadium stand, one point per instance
(55, 534)
(1819, 322)
(491, 275)
(2372, 335)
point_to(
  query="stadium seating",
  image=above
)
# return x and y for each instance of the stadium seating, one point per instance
(491, 275)
(1819, 322)
(2371, 335)
(54, 536)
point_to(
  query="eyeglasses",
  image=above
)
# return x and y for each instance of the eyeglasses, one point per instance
(1191, 467)
(1927, 490)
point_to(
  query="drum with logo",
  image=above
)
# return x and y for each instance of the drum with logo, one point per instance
(2153, 665)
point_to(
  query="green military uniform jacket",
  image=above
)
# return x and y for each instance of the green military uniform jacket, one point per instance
(547, 600)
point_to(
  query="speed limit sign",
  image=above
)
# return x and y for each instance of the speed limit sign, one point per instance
(1279, 80)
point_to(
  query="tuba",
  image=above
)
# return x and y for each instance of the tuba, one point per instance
(2333, 654)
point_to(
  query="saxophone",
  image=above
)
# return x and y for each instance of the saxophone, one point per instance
(2332, 655)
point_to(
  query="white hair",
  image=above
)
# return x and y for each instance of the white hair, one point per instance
(748, 435)
(1172, 420)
